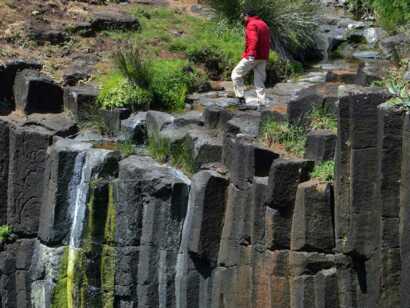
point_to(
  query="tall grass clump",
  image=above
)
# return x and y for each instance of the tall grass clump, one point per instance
(5, 232)
(292, 137)
(292, 22)
(320, 117)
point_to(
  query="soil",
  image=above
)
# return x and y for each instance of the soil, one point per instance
(17, 15)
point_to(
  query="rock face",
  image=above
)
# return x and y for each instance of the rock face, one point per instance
(36, 93)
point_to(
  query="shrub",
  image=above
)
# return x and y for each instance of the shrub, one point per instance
(170, 83)
(5, 232)
(117, 92)
(292, 137)
(325, 171)
(291, 22)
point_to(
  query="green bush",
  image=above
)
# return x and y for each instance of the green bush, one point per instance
(5, 232)
(292, 22)
(118, 92)
(171, 81)
(389, 13)
(325, 171)
(292, 137)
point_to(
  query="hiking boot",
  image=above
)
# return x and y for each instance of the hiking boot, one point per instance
(241, 101)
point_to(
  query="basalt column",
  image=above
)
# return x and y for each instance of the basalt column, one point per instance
(357, 212)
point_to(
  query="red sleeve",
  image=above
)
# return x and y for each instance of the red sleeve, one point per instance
(252, 37)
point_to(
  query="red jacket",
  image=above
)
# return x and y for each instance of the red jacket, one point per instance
(257, 37)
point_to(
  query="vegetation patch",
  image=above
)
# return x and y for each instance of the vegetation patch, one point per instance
(179, 155)
(5, 232)
(292, 137)
(324, 172)
(322, 118)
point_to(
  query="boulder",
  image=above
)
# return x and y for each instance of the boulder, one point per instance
(80, 101)
(320, 145)
(113, 20)
(157, 121)
(36, 93)
(372, 71)
(134, 128)
(216, 117)
(43, 33)
(8, 73)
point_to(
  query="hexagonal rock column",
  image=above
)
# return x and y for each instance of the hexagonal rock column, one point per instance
(151, 207)
(4, 167)
(34, 92)
(389, 162)
(8, 73)
(312, 223)
(201, 236)
(357, 216)
(27, 162)
(80, 100)
(313, 281)
(405, 215)
(320, 145)
(284, 178)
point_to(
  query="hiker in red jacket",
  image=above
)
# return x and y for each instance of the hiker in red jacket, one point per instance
(255, 57)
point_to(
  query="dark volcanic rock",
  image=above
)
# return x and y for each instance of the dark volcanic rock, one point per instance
(80, 101)
(8, 73)
(151, 207)
(36, 93)
(320, 145)
(4, 167)
(28, 147)
(356, 217)
(312, 224)
(42, 33)
(201, 238)
(111, 20)
(134, 128)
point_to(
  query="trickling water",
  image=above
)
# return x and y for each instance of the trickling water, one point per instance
(78, 198)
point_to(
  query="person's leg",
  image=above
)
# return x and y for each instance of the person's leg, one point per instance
(239, 72)
(259, 80)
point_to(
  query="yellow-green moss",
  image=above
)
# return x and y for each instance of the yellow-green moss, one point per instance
(59, 297)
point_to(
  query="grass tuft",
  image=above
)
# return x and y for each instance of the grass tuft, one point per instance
(325, 171)
(5, 232)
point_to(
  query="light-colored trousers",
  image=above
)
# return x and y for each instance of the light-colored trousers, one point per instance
(243, 69)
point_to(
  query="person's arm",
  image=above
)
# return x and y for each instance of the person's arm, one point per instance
(252, 33)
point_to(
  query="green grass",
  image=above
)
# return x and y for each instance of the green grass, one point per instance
(5, 232)
(321, 118)
(324, 172)
(178, 155)
(292, 137)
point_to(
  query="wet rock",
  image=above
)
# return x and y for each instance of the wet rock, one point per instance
(151, 207)
(8, 73)
(361, 55)
(56, 218)
(312, 224)
(188, 118)
(157, 121)
(112, 119)
(80, 101)
(36, 93)
(374, 35)
(134, 128)
(320, 145)
(77, 72)
(60, 124)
